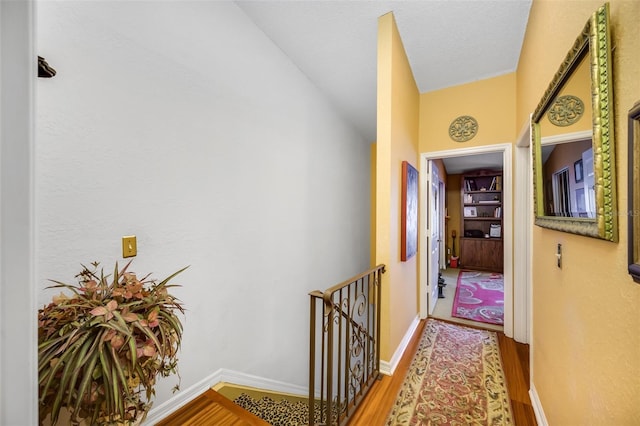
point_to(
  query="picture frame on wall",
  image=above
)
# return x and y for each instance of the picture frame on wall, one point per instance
(578, 171)
(409, 212)
(633, 193)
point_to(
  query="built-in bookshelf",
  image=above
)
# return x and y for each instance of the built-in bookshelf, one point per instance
(481, 239)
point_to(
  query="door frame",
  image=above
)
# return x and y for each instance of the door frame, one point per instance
(506, 150)
(18, 304)
(522, 231)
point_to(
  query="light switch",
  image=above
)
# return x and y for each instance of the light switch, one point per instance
(129, 246)
(559, 255)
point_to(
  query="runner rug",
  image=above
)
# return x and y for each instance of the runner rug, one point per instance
(455, 378)
(479, 297)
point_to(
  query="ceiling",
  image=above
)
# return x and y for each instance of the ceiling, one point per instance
(448, 42)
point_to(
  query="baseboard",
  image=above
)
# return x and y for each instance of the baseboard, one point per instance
(184, 397)
(243, 379)
(388, 367)
(222, 375)
(537, 406)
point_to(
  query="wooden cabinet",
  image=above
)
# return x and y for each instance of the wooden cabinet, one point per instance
(481, 239)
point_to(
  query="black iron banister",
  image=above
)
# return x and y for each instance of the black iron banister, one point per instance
(348, 358)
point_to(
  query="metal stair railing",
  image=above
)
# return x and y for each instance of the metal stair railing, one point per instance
(344, 343)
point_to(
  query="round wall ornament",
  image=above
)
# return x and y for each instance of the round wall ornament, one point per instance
(463, 128)
(565, 110)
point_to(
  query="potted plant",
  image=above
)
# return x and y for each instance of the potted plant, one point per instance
(104, 344)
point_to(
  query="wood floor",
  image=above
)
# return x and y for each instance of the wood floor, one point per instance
(212, 409)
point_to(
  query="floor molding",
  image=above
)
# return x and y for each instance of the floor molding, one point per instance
(168, 407)
(163, 410)
(537, 406)
(222, 375)
(388, 367)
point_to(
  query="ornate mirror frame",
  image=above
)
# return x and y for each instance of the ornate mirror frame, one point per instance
(634, 192)
(594, 41)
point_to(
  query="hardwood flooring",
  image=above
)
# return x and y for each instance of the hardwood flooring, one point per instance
(213, 409)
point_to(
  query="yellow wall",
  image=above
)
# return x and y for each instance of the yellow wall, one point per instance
(397, 141)
(491, 102)
(586, 329)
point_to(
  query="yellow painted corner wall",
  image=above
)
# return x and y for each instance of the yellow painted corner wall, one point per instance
(586, 315)
(397, 141)
(491, 102)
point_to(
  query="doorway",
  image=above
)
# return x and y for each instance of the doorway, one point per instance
(492, 156)
(435, 221)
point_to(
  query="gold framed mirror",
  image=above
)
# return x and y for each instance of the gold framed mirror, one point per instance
(634, 192)
(572, 139)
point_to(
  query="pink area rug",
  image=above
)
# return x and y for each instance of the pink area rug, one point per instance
(479, 297)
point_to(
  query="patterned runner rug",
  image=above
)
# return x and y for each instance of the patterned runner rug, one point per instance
(455, 378)
(479, 297)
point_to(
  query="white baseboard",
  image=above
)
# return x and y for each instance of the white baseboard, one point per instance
(182, 398)
(243, 379)
(222, 375)
(537, 406)
(388, 367)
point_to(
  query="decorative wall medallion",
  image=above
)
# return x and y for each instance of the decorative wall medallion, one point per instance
(463, 128)
(565, 110)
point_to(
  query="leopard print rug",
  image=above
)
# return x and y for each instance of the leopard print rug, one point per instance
(278, 413)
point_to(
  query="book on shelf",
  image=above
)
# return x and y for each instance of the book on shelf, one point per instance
(470, 185)
(497, 212)
(492, 187)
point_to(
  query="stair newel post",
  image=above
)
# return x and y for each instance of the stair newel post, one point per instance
(329, 305)
(312, 357)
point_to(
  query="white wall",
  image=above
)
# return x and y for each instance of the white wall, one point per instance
(181, 123)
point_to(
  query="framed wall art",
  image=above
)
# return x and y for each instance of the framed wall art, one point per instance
(634, 193)
(409, 212)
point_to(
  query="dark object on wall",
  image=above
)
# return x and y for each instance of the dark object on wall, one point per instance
(409, 213)
(578, 171)
(44, 70)
(634, 193)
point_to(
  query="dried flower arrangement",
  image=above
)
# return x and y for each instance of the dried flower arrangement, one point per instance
(100, 347)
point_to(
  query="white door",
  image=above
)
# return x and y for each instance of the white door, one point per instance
(589, 182)
(434, 212)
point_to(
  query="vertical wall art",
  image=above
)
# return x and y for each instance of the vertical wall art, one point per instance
(634, 192)
(409, 213)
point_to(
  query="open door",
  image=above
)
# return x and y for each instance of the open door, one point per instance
(435, 231)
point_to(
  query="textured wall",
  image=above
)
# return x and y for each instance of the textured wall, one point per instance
(181, 123)
(586, 345)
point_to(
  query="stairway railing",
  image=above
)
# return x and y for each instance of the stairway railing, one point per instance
(344, 346)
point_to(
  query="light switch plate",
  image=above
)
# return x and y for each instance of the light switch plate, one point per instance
(129, 246)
